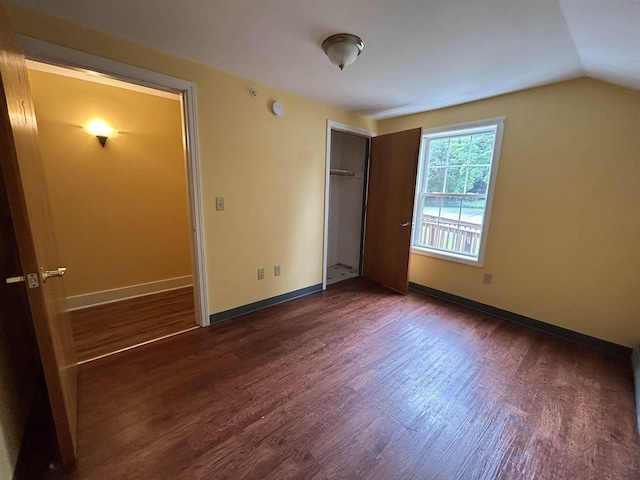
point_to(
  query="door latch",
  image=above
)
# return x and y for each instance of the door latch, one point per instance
(32, 280)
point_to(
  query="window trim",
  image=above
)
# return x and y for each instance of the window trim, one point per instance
(448, 131)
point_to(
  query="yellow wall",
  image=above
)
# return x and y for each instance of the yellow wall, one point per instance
(270, 170)
(120, 212)
(565, 230)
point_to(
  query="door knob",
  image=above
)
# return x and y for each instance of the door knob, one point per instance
(405, 224)
(44, 274)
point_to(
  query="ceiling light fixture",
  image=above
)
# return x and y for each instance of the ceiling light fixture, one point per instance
(343, 48)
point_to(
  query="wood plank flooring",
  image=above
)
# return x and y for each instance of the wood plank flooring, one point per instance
(358, 382)
(111, 327)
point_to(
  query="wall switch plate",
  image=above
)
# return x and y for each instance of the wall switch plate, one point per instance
(219, 203)
(261, 274)
(487, 278)
(276, 270)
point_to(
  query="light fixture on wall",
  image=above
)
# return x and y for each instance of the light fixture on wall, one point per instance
(100, 129)
(343, 48)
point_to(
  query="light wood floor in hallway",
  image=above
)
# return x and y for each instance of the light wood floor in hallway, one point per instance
(111, 327)
(358, 382)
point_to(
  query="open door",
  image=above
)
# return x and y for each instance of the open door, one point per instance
(393, 166)
(24, 182)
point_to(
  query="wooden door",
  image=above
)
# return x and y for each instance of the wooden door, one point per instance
(23, 178)
(393, 166)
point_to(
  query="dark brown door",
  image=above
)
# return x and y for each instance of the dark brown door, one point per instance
(393, 166)
(26, 191)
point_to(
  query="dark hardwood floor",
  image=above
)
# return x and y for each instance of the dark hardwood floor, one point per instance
(358, 382)
(108, 328)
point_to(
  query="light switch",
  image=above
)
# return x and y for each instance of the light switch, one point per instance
(219, 203)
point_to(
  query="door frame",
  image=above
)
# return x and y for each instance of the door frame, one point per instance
(344, 128)
(50, 53)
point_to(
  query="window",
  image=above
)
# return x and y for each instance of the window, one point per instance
(458, 167)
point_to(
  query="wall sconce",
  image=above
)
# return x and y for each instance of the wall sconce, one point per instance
(101, 130)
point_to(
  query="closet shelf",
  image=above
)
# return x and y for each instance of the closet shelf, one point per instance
(342, 173)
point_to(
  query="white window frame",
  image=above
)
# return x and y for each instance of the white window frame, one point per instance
(448, 131)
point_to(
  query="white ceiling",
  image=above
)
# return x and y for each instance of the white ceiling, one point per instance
(419, 54)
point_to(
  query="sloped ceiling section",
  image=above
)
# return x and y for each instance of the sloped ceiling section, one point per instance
(419, 55)
(607, 37)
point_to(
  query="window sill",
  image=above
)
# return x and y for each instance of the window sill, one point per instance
(452, 257)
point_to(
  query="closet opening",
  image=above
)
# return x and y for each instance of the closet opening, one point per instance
(347, 179)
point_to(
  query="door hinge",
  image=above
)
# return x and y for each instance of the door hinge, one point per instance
(32, 280)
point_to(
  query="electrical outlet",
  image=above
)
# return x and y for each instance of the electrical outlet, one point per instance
(487, 278)
(219, 203)
(261, 274)
(276, 270)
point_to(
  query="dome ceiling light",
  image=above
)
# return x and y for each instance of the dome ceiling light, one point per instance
(343, 48)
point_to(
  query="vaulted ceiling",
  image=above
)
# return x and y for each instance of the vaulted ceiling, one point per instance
(419, 54)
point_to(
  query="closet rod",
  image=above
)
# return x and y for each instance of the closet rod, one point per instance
(342, 173)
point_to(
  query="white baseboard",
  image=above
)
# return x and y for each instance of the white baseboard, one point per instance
(92, 299)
